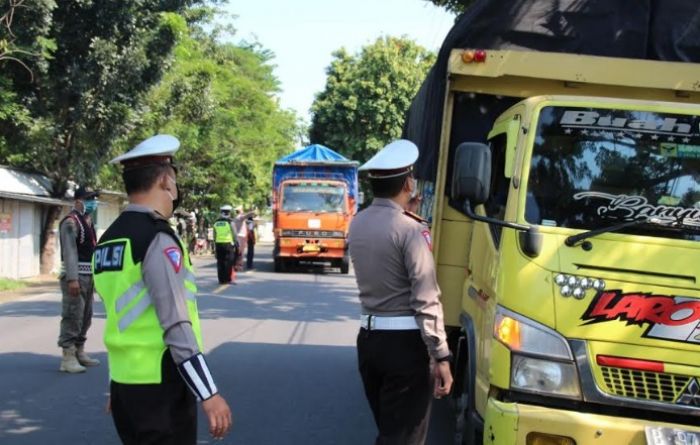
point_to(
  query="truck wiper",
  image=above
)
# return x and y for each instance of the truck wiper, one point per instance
(572, 240)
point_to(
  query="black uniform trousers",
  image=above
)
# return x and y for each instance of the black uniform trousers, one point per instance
(395, 370)
(225, 257)
(155, 414)
(250, 254)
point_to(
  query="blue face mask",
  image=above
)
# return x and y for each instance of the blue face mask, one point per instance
(90, 206)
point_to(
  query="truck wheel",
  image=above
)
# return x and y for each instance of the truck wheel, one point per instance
(280, 265)
(345, 265)
(465, 430)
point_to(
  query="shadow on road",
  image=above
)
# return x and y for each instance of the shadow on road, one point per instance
(39, 405)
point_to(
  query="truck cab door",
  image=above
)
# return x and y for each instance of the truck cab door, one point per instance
(484, 252)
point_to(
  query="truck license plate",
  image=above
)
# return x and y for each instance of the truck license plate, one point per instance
(310, 248)
(671, 436)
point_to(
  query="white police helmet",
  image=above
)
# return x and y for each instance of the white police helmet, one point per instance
(158, 149)
(395, 159)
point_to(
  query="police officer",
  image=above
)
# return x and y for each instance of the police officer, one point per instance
(78, 240)
(402, 350)
(153, 337)
(226, 244)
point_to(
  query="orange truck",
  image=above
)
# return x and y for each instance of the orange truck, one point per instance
(315, 196)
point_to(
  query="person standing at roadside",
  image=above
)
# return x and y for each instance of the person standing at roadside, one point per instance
(226, 245)
(240, 229)
(152, 333)
(78, 240)
(251, 239)
(402, 349)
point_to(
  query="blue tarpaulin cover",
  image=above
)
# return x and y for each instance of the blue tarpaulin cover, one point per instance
(316, 162)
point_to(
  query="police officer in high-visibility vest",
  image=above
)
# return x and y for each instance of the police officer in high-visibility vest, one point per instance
(226, 245)
(402, 347)
(145, 278)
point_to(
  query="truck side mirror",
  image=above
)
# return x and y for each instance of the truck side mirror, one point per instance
(471, 176)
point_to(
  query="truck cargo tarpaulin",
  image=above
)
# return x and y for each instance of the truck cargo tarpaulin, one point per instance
(667, 30)
(317, 160)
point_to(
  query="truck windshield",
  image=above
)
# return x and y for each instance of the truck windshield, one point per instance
(313, 197)
(594, 167)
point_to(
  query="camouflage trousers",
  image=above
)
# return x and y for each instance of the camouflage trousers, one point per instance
(76, 315)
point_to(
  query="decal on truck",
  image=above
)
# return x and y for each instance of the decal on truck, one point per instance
(630, 208)
(614, 121)
(667, 317)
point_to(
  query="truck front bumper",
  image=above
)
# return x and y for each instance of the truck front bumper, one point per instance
(511, 423)
(331, 248)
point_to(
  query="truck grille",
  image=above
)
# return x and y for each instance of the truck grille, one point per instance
(645, 385)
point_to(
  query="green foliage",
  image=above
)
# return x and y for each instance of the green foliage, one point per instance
(24, 50)
(93, 61)
(7, 284)
(366, 97)
(455, 6)
(218, 99)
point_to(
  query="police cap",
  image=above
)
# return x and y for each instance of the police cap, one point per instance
(226, 208)
(395, 159)
(85, 193)
(155, 150)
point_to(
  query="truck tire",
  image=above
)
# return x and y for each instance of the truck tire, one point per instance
(345, 265)
(280, 265)
(466, 431)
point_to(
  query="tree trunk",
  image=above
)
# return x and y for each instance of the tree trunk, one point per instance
(48, 239)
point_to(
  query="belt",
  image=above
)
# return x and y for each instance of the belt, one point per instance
(84, 268)
(374, 322)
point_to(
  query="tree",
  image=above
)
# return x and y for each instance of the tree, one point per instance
(219, 100)
(107, 56)
(24, 27)
(366, 97)
(455, 6)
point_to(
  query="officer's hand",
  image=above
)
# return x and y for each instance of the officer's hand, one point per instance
(74, 288)
(443, 379)
(219, 415)
(108, 405)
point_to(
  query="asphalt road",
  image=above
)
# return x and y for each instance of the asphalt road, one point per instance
(281, 347)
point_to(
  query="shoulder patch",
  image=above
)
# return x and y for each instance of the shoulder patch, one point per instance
(175, 257)
(428, 238)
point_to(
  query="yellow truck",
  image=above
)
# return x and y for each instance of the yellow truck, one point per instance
(567, 250)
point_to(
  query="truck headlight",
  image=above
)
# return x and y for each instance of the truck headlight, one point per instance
(544, 376)
(541, 360)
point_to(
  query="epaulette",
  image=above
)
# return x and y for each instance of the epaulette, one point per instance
(416, 217)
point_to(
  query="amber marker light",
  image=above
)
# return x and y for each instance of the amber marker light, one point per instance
(537, 438)
(508, 332)
(468, 56)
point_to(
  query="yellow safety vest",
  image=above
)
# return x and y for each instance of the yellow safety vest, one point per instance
(133, 335)
(222, 232)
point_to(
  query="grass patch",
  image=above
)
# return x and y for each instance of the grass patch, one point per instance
(7, 284)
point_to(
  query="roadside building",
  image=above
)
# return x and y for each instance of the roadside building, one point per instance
(25, 200)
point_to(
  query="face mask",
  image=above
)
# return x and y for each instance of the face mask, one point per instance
(90, 206)
(175, 199)
(414, 188)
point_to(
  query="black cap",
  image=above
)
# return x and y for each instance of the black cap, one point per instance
(85, 193)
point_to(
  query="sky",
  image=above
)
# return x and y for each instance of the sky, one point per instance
(304, 33)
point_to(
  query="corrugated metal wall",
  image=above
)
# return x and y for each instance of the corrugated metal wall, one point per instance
(19, 247)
